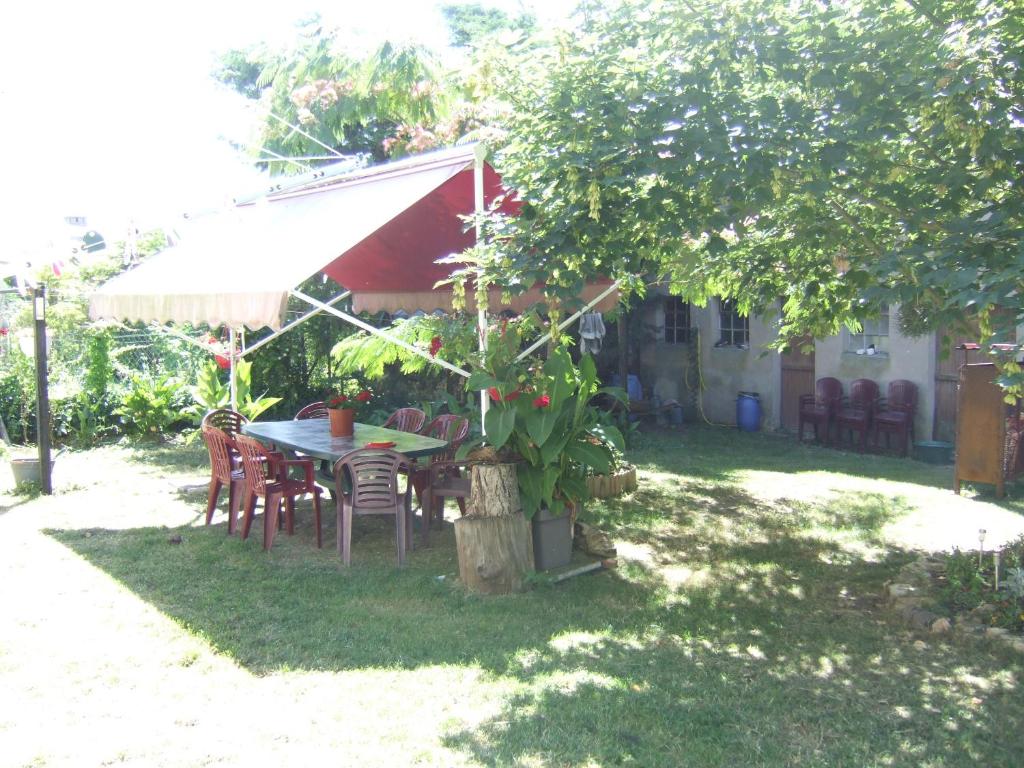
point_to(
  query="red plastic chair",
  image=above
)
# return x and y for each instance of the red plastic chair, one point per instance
(223, 456)
(453, 430)
(366, 483)
(821, 407)
(406, 420)
(266, 476)
(225, 420)
(317, 410)
(857, 411)
(896, 413)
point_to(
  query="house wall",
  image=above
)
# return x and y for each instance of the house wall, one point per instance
(666, 369)
(727, 371)
(909, 358)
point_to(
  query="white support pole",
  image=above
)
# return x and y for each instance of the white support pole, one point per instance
(567, 322)
(231, 369)
(378, 332)
(481, 312)
(312, 313)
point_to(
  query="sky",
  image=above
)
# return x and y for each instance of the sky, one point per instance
(108, 109)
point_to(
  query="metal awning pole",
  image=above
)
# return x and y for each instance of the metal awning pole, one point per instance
(481, 311)
(231, 369)
(378, 332)
(298, 321)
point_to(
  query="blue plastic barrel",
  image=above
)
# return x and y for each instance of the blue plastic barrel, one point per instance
(748, 411)
(633, 388)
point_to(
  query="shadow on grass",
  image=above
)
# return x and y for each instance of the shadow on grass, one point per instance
(738, 630)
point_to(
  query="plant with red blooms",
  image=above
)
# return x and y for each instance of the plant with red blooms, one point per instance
(351, 395)
(555, 433)
(435, 346)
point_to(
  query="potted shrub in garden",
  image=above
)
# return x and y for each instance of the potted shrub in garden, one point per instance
(540, 416)
(346, 405)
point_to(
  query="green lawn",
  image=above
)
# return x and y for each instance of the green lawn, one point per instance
(743, 627)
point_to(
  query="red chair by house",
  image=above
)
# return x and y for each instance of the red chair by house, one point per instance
(820, 408)
(266, 475)
(442, 477)
(317, 410)
(857, 411)
(896, 413)
(366, 483)
(223, 456)
(406, 420)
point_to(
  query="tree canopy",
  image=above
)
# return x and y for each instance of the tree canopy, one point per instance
(822, 158)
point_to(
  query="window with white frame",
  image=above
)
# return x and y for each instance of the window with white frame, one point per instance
(874, 336)
(733, 327)
(677, 320)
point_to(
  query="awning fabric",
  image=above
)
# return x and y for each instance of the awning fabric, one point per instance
(378, 232)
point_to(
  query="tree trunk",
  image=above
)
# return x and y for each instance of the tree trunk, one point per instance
(494, 491)
(493, 539)
(495, 553)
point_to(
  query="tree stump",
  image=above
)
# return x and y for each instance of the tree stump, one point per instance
(493, 540)
(494, 491)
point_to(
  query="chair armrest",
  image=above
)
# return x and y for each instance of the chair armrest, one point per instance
(307, 468)
(807, 400)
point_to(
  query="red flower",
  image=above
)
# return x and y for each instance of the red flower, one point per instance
(495, 394)
(339, 400)
(512, 395)
(435, 346)
(364, 396)
(542, 402)
(222, 361)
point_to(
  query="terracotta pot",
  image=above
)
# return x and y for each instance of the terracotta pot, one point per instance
(341, 421)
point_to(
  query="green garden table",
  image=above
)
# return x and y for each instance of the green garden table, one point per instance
(312, 437)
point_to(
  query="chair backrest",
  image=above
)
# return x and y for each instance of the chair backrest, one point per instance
(828, 391)
(254, 463)
(902, 396)
(406, 420)
(225, 420)
(450, 428)
(372, 478)
(863, 394)
(220, 445)
(317, 410)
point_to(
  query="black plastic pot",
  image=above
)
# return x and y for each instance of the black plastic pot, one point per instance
(552, 539)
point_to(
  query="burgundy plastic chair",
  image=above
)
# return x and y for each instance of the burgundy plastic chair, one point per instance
(406, 420)
(366, 483)
(857, 411)
(266, 475)
(443, 480)
(896, 413)
(223, 472)
(317, 410)
(821, 407)
(225, 420)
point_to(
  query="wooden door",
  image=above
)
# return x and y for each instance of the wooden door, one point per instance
(947, 377)
(797, 379)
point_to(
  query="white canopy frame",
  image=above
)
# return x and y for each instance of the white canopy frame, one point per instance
(237, 352)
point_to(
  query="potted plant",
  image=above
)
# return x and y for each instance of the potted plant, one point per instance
(350, 401)
(541, 416)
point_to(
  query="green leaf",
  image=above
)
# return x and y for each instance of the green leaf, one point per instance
(498, 425)
(595, 457)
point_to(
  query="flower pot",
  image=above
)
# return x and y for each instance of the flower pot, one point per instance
(342, 420)
(552, 539)
(27, 471)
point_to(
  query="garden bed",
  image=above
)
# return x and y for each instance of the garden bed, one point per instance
(615, 484)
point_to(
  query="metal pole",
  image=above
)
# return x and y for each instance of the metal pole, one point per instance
(481, 312)
(42, 389)
(231, 369)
